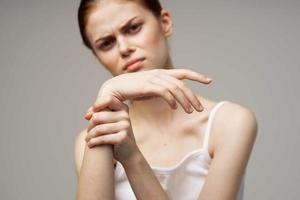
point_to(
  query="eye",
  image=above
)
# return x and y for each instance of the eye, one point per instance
(134, 28)
(106, 44)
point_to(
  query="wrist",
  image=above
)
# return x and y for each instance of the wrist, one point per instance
(135, 159)
(106, 88)
(110, 89)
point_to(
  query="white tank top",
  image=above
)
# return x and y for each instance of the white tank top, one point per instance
(185, 180)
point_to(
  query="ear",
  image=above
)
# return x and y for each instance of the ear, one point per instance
(166, 23)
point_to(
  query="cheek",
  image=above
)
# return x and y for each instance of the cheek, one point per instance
(155, 46)
(109, 61)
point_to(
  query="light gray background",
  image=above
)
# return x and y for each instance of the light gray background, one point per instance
(48, 80)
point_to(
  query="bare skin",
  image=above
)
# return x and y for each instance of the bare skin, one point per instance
(226, 145)
(166, 139)
(154, 122)
(170, 137)
(162, 139)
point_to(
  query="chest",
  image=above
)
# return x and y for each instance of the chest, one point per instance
(167, 147)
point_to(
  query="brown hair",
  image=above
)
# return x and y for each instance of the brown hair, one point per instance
(85, 5)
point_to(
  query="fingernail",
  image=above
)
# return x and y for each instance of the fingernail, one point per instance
(89, 144)
(201, 108)
(209, 79)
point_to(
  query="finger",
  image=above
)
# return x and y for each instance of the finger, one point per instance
(114, 139)
(176, 92)
(111, 105)
(156, 89)
(105, 129)
(108, 101)
(189, 94)
(90, 109)
(102, 102)
(189, 74)
(89, 113)
(106, 116)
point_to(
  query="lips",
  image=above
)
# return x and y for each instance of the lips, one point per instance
(132, 62)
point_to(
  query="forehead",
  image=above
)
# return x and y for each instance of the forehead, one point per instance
(107, 16)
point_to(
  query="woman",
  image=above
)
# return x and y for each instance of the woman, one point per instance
(160, 150)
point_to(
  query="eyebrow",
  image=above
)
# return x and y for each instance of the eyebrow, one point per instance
(122, 28)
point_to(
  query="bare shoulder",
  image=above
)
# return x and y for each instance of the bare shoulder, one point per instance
(234, 123)
(233, 134)
(234, 114)
(79, 147)
(230, 114)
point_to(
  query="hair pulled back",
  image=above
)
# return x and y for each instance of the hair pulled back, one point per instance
(86, 5)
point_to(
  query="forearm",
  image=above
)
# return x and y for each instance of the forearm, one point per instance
(142, 179)
(96, 178)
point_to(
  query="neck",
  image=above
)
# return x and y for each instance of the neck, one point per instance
(154, 109)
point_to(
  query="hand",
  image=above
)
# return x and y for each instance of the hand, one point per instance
(113, 127)
(158, 82)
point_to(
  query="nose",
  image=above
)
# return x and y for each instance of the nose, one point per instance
(125, 48)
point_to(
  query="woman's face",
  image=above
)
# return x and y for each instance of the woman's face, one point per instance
(121, 32)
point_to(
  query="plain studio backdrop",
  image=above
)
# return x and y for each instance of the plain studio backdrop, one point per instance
(48, 79)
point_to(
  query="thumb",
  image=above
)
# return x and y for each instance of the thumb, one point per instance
(110, 102)
(101, 102)
(115, 104)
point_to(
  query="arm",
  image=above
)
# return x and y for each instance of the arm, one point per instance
(111, 130)
(236, 137)
(165, 83)
(228, 165)
(142, 179)
(94, 167)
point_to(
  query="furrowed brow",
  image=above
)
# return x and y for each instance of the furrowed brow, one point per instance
(123, 27)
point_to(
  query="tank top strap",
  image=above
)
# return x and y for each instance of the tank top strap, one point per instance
(209, 123)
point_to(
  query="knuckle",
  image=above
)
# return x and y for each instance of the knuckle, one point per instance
(123, 137)
(94, 141)
(94, 118)
(163, 90)
(124, 114)
(170, 97)
(125, 124)
(173, 102)
(102, 115)
(182, 84)
(101, 129)
(90, 135)
(90, 126)
(98, 130)
(175, 87)
(187, 104)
